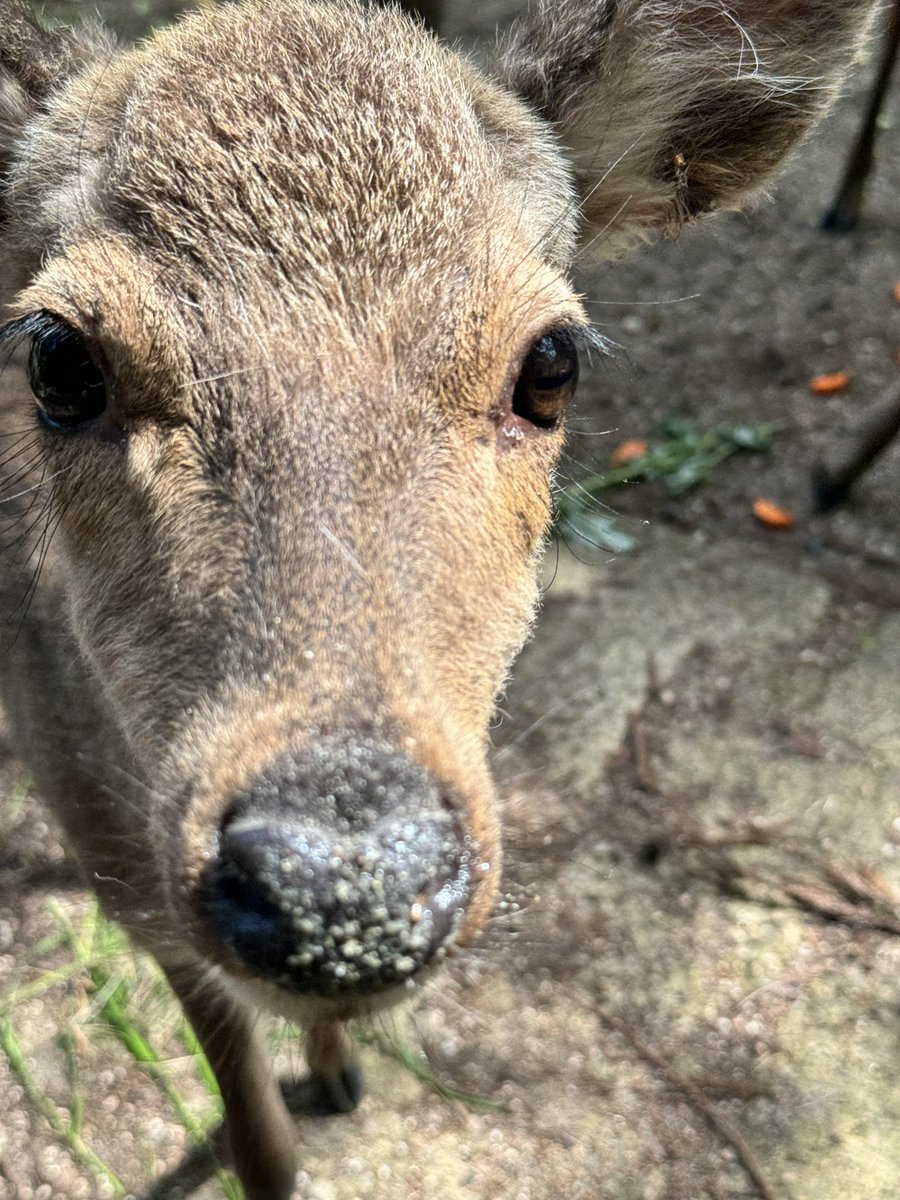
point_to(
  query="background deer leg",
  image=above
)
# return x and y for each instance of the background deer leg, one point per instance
(843, 214)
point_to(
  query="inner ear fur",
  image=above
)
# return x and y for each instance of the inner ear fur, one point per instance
(670, 109)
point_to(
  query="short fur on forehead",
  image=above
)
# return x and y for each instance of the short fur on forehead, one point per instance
(346, 140)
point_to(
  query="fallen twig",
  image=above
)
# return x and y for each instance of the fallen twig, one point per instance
(695, 1096)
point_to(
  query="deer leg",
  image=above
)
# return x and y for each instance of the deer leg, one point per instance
(831, 487)
(334, 1084)
(843, 214)
(198, 1165)
(258, 1138)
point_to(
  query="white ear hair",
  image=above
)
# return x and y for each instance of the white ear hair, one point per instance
(670, 109)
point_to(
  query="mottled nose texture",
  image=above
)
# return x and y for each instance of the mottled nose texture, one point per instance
(341, 871)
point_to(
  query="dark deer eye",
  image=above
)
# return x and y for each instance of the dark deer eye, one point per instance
(547, 380)
(66, 382)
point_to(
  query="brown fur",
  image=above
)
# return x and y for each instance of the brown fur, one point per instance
(311, 249)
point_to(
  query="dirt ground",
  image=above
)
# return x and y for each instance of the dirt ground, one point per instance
(690, 993)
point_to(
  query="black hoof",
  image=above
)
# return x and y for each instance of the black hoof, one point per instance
(325, 1095)
(839, 220)
(829, 493)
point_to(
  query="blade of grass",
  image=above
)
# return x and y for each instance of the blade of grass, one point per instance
(45, 983)
(204, 1070)
(416, 1063)
(112, 994)
(40, 1101)
(76, 1103)
(111, 998)
(12, 809)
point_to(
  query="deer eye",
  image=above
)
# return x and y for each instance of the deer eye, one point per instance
(547, 380)
(66, 382)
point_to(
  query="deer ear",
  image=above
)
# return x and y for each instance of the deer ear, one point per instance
(670, 109)
(33, 62)
(28, 53)
(30, 62)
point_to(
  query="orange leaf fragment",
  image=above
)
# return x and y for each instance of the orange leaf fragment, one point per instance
(771, 515)
(827, 385)
(897, 291)
(628, 452)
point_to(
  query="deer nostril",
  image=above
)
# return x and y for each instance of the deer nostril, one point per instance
(327, 889)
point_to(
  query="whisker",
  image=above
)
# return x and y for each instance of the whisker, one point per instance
(643, 303)
(34, 487)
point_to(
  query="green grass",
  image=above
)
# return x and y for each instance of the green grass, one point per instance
(680, 455)
(11, 812)
(92, 957)
(417, 1064)
(123, 997)
(67, 1127)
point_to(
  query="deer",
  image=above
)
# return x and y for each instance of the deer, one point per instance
(289, 334)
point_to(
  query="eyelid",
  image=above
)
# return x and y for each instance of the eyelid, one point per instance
(34, 322)
(44, 319)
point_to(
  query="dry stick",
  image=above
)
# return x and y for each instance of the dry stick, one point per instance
(696, 1097)
(857, 897)
(642, 760)
(827, 902)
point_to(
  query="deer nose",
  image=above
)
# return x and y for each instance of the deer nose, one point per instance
(342, 870)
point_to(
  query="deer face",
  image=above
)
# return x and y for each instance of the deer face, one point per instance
(299, 375)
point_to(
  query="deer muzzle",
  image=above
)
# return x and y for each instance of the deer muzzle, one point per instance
(341, 871)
